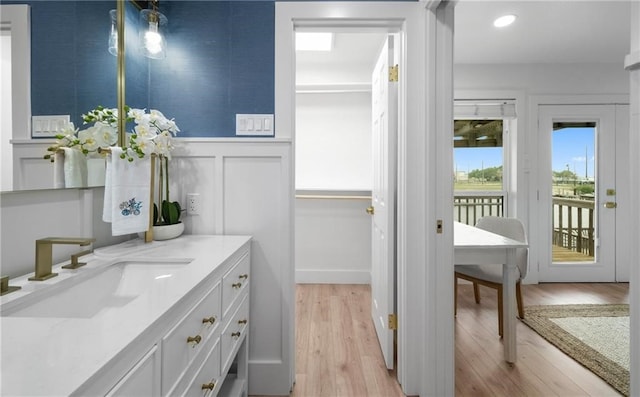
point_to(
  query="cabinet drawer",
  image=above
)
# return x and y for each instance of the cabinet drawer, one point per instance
(181, 345)
(234, 333)
(207, 380)
(142, 379)
(234, 282)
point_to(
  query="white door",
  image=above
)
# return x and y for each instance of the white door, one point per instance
(577, 193)
(384, 131)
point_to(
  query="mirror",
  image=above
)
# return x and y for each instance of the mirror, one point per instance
(72, 72)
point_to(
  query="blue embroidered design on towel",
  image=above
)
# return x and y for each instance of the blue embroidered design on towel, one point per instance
(131, 207)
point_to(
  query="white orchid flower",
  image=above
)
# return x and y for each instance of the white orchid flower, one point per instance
(88, 138)
(164, 145)
(105, 135)
(147, 146)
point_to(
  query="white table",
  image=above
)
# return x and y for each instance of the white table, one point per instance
(473, 246)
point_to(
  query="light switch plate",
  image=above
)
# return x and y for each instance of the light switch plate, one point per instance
(254, 124)
(48, 126)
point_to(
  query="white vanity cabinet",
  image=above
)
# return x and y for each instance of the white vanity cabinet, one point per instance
(201, 362)
(198, 347)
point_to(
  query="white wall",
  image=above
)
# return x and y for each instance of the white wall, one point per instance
(561, 79)
(333, 156)
(6, 166)
(333, 141)
(26, 216)
(333, 241)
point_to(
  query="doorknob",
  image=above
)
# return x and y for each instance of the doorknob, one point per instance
(610, 204)
(370, 210)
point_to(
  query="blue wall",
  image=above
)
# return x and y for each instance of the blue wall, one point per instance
(71, 68)
(220, 61)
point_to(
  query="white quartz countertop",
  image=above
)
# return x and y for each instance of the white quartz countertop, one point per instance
(51, 356)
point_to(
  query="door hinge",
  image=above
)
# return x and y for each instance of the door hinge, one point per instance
(393, 321)
(393, 73)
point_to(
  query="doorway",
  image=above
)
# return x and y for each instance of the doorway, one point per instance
(346, 165)
(579, 195)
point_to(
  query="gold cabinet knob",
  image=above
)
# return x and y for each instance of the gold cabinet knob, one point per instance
(209, 386)
(194, 340)
(371, 210)
(243, 276)
(243, 321)
(209, 320)
(610, 204)
(235, 335)
(236, 285)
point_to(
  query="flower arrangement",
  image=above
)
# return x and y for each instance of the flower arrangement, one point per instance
(152, 134)
(103, 133)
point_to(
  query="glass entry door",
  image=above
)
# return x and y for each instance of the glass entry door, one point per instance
(577, 192)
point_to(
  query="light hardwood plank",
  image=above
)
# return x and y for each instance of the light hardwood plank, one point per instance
(337, 352)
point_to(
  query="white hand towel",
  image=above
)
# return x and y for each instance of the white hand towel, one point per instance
(75, 168)
(127, 191)
(58, 169)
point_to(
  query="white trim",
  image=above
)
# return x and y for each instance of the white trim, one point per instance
(407, 17)
(333, 276)
(531, 153)
(634, 147)
(18, 17)
(439, 367)
(517, 183)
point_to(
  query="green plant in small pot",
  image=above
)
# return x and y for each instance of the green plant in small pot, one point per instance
(170, 210)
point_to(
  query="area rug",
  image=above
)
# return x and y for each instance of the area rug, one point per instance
(596, 336)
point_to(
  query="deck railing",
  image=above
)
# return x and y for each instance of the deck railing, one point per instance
(573, 219)
(468, 208)
(573, 224)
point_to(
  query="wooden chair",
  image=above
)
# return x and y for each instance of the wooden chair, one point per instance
(491, 275)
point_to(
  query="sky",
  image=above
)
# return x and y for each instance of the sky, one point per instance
(569, 146)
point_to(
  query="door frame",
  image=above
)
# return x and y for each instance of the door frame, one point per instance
(425, 258)
(602, 268)
(535, 241)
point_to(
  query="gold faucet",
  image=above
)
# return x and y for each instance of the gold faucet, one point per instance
(5, 288)
(44, 254)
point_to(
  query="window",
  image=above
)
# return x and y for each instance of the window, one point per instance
(479, 137)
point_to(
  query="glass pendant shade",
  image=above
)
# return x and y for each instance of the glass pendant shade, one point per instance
(151, 34)
(113, 34)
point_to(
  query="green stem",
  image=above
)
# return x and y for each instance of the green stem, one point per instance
(166, 176)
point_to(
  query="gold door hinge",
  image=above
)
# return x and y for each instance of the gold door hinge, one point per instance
(393, 73)
(393, 321)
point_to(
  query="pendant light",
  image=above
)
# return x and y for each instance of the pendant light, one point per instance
(151, 32)
(113, 34)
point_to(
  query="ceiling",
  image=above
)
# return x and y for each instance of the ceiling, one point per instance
(546, 31)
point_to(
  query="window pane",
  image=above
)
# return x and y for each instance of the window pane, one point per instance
(478, 155)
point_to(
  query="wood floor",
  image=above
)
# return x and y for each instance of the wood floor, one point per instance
(337, 352)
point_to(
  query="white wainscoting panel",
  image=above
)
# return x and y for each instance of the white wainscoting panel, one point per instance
(246, 187)
(333, 241)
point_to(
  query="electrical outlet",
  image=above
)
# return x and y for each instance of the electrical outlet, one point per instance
(193, 203)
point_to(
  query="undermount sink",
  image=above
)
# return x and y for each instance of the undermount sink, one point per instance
(85, 295)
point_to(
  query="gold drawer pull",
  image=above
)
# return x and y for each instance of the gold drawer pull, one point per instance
(194, 340)
(243, 276)
(236, 285)
(209, 320)
(242, 321)
(235, 335)
(209, 386)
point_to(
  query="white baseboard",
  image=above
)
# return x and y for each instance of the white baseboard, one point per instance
(333, 277)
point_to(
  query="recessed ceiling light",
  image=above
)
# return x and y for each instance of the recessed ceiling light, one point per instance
(314, 41)
(504, 20)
